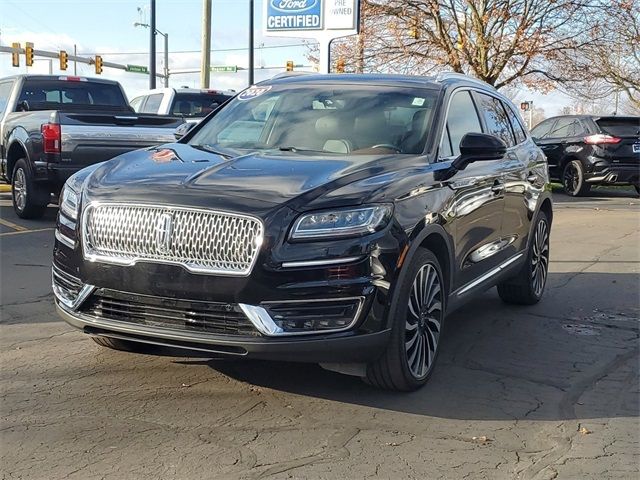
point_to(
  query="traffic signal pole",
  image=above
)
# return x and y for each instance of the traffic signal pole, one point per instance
(205, 62)
(251, 42)
(152, 48)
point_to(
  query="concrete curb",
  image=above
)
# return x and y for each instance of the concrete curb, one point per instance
(4, 188)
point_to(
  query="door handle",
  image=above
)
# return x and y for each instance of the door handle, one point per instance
(498, 187)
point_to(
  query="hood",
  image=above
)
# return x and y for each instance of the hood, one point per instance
(181, 174)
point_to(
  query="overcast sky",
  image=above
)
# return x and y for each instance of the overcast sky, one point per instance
(105, 27)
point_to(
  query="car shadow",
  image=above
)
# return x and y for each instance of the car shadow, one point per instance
(501, 362)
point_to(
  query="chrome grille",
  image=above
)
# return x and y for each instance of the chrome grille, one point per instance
(203, 241)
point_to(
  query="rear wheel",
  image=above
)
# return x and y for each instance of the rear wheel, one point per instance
(122, 345)
(527, 287)
(417, 327)
(573, 179)
(29, 200)
(637, 187)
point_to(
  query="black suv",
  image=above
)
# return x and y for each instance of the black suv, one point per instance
(585, 150)
(319, 218)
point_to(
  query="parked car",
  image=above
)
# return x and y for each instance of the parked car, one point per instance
(189, 103)
(586, 150)
(52, 126)
(334, 219)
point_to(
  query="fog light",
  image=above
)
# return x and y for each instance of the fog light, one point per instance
(314, 315)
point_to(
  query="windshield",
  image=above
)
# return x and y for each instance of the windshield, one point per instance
(345, 119)
(197, 104)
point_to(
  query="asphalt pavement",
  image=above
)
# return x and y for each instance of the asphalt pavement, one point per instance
(542, 392)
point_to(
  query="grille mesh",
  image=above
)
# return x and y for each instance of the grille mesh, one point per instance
(200, 240)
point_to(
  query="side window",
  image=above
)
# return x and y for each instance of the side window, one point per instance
(153, 103)
(5, 91)
(541, 130)
(136, 103)
(462, 118)
(562, 128)
(495, 118)
(516, 124)
(575, 129)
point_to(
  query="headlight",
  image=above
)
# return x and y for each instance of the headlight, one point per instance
(69, 203)
(341, 223)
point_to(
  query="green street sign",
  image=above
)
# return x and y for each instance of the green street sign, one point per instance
(137, 69)
(224, 68)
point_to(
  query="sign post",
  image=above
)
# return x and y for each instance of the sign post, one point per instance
(321, 20)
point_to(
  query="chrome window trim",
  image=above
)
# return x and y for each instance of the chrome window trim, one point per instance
(91, 257)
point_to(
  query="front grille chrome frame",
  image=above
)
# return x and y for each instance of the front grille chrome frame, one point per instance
(195, 265)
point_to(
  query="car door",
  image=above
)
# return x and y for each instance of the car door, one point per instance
(477, 203)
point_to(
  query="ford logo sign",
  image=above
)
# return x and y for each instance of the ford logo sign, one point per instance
(293, 6)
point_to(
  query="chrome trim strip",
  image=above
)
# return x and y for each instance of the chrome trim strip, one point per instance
(72, 304)
(62, 238)
(91, 257)
(489, 274)
(264, 323)
(316, 263)
(69, 223)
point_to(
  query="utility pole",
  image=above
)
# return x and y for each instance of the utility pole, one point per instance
(251, 61)
(205, 63)
(152, 48)
(75, 64)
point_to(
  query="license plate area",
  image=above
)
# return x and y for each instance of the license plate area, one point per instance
(636, 148)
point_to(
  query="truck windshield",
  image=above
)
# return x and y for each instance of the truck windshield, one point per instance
(197, 104)
(341, 119)
(53, 94)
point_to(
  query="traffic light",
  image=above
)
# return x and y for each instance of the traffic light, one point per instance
(15, 54)
(524, 106)
(289, 65)
(28, 53)
(340, 65)
(64, 60)
(98, 64)
(414, 31)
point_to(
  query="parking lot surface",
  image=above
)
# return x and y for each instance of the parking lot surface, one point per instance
(542, 392)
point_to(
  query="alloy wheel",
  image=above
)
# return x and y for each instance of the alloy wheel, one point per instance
(571, 178)
(424, 321)
(540, 257)
(20, 189)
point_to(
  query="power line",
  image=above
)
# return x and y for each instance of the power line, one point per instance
(265, 47)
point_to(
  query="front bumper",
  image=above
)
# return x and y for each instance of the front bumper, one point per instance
(347, 347)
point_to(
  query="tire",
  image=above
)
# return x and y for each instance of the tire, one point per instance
(121, 345)
(573, 179)
(527, 287)
(29, 200)
(408, 361)
(637, 187)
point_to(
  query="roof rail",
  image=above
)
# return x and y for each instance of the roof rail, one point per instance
(291, 74)
(453, 75)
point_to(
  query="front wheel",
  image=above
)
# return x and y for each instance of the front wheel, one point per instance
(573, 179)
(28, 200)
(122, 345)
(418, 318)
(527, 287)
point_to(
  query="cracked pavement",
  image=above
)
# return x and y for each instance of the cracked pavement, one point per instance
(542, 392)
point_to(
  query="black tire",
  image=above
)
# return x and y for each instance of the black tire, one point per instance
(121, 345)
(401, 366)
(573, 179)
(29, 200)
(637, 187)
(527, 287)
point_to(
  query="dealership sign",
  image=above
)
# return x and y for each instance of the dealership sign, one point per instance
(321, 20)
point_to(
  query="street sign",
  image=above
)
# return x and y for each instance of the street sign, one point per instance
(224, 68)
(137, 69)
(294, 15)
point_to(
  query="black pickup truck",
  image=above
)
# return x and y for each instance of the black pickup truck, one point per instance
(52, 126)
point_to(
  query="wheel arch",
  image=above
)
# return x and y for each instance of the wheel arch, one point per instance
(16, 151)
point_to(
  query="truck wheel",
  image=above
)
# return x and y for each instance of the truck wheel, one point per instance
(573, 179)
(418, 318)
(28, 199)
(121, 345)
(527, 287)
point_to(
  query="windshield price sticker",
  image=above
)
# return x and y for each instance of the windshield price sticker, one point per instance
(283, 15)
(253, 92)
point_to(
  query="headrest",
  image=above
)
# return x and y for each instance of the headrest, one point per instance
(418, 120)
(372, 122)
(328, 126)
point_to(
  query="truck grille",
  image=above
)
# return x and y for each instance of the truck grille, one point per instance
(202, 241)
(185, 315)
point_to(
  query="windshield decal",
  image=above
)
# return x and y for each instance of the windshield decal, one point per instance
(253, 92)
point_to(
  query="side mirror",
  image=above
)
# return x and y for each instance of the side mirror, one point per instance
(182, 130)
(23, 106)
(477, 147)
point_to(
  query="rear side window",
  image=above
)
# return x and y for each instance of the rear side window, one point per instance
(136, 103)
(496, 118)
(516, 124)
(462, 118)
(620, 127)
(565, 127)
(542, 129)
(197, 104)
(59, 94)
(153, 103)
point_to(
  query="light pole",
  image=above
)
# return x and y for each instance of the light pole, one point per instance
(166, 50)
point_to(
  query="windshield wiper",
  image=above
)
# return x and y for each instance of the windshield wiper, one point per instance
(291, 148)
(210, 149)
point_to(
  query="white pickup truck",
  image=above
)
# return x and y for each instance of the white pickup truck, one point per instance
(189, 103)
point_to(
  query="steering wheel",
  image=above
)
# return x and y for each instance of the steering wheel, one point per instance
(387, 145)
